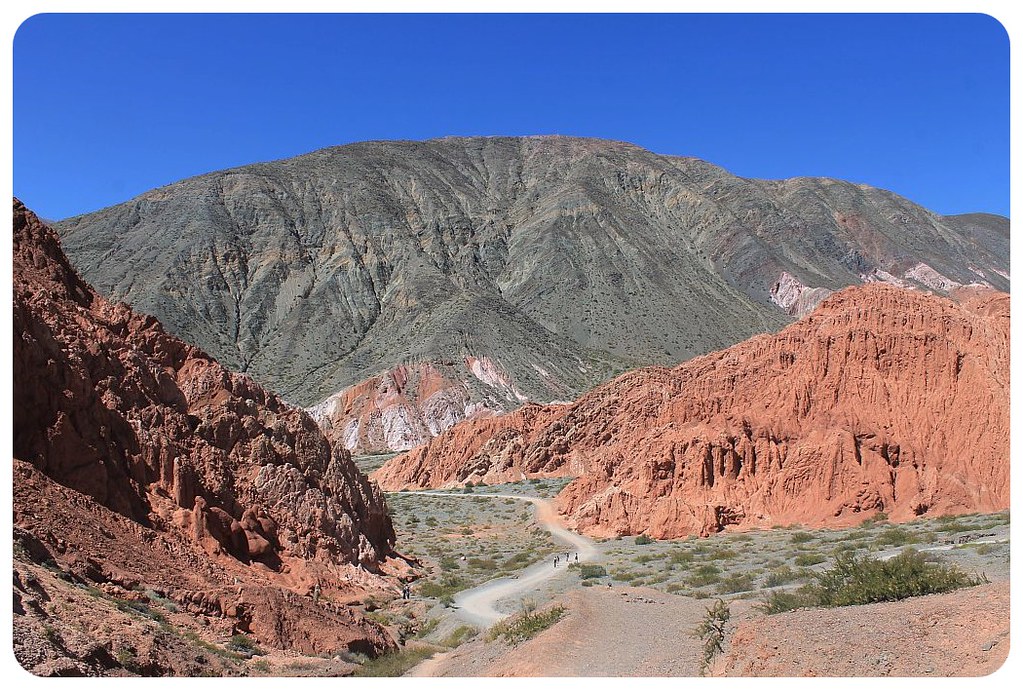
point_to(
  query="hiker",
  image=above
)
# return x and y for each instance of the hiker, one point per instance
(316, 593)
(555, 561)
(577, 557)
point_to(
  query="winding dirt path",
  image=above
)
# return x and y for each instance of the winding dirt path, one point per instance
(478, 606)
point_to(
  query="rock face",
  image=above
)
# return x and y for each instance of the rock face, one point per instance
(559, 261)
(158, 434)
(883, 399)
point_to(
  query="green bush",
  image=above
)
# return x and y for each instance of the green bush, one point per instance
(643, 540)
(588, 572)
(864, 580)
(801, 538)
(856, 580)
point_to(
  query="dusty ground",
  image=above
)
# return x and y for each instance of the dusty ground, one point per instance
(608, 632)
(962, 633)
(659, 593)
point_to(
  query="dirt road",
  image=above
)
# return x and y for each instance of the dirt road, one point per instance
(479, 606)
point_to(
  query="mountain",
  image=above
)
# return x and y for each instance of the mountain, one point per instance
(882, 399)
(140, 462)
(397, 287)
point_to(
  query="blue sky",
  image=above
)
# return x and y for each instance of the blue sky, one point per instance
(109, 106)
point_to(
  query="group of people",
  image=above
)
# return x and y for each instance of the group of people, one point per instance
(557, 559)
(406, 590)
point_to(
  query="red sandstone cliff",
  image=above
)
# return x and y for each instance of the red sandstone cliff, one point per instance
(228, 493)
(881, 399)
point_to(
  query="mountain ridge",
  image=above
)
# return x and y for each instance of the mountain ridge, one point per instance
(561, 260)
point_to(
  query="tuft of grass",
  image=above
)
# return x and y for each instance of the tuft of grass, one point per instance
(526, 625)
(459, 635)
(801, 538)
(643, 540)
(395, 663)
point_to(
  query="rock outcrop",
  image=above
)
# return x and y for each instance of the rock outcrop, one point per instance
(162, 439)
(560, 261)
(883, 399)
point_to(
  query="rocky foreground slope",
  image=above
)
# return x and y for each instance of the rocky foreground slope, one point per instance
(403, 286)
(883, 399)
(141, 464)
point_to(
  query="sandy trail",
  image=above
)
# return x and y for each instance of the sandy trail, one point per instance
(478, 606)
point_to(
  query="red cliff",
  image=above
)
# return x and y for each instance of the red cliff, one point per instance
(883, 399)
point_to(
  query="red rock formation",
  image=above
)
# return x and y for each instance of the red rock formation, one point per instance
(881, 399)
(109, 405)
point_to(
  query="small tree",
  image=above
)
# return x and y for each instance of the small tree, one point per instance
(712, 632)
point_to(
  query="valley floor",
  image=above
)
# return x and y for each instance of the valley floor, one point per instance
(631, 610)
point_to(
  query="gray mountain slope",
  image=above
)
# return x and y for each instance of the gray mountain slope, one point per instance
(577, 257)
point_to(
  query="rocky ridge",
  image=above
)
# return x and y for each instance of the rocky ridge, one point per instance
(559, 261)
(160, 468)
(882, 399)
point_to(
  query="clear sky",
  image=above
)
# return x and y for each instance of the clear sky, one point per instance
(109, 106)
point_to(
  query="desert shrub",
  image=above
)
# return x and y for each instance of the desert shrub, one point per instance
(396, 663)
(243, 645)
(864, 580)
(443, 589)
(643, 540)
(675, 588)
(459, 635)
(985, 548)
(526, 625)
(805, 559)
(431, 521)
(706, 574)
(711, 631)
(428, 627)
(519, 560)
(781, 575)
(801, 538)
(681, 557)
(588, 572)
(735, 582)
(482, 563)
(644, 558)
(722, 555)
(856, 580)
(779, 601)
(896, 536)
(449, 563)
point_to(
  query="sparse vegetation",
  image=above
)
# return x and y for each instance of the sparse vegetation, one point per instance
(864, 580)
(643, 540)
(526, 625)
(396, 663)
(587, 572)
(712, 632)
